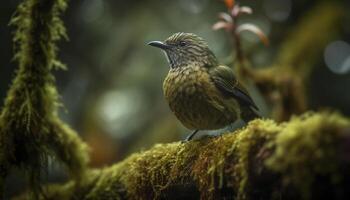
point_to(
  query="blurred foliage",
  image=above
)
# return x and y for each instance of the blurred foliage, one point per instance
(284, 84)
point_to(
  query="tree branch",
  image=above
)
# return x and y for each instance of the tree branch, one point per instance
(307, 157)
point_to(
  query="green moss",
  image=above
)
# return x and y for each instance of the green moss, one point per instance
(227, 166)
(214, 163)
(248, 143)
(307, 146)
(152, 171)
(30, 130)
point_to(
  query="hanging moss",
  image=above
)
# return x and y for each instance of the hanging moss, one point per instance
(265, 160)
(30, 130)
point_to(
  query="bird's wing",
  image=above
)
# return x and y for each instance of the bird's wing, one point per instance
(227, 83)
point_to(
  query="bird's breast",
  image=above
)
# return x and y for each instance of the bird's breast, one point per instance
(194, 99)
(186, 82)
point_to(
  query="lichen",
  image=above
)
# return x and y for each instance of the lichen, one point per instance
(30, 130)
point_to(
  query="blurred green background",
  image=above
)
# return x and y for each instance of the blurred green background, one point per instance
(112, 90)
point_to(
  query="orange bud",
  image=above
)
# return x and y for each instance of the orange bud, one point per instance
(229, 3)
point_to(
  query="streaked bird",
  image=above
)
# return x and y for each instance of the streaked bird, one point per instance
(203, 94)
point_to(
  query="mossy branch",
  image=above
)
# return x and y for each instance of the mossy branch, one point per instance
(305, 158)
(30, 130)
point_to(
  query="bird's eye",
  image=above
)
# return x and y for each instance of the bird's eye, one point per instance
(182, 43)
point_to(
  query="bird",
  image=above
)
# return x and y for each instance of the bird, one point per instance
(203, 94)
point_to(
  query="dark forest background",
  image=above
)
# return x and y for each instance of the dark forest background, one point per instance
(112, 90)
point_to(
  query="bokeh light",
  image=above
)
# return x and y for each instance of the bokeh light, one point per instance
(337, 56)
(278, 10)
(116, 109)
(193, 6)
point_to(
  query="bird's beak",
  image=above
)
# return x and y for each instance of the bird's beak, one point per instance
(159, 44)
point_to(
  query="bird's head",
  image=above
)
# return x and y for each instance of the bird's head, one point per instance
(183, 49)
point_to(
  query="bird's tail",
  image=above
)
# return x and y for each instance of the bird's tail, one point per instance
(248, 114)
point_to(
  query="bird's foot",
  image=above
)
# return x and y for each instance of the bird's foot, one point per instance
(190, 136)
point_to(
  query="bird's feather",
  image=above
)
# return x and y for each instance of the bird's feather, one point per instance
(227, 83)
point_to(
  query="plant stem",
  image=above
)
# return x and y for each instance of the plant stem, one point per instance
(239, 51)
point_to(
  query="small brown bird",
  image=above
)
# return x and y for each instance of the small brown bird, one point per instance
(202, 94)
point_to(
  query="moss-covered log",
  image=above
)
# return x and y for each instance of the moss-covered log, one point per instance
(305, 158)
(30, 130)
